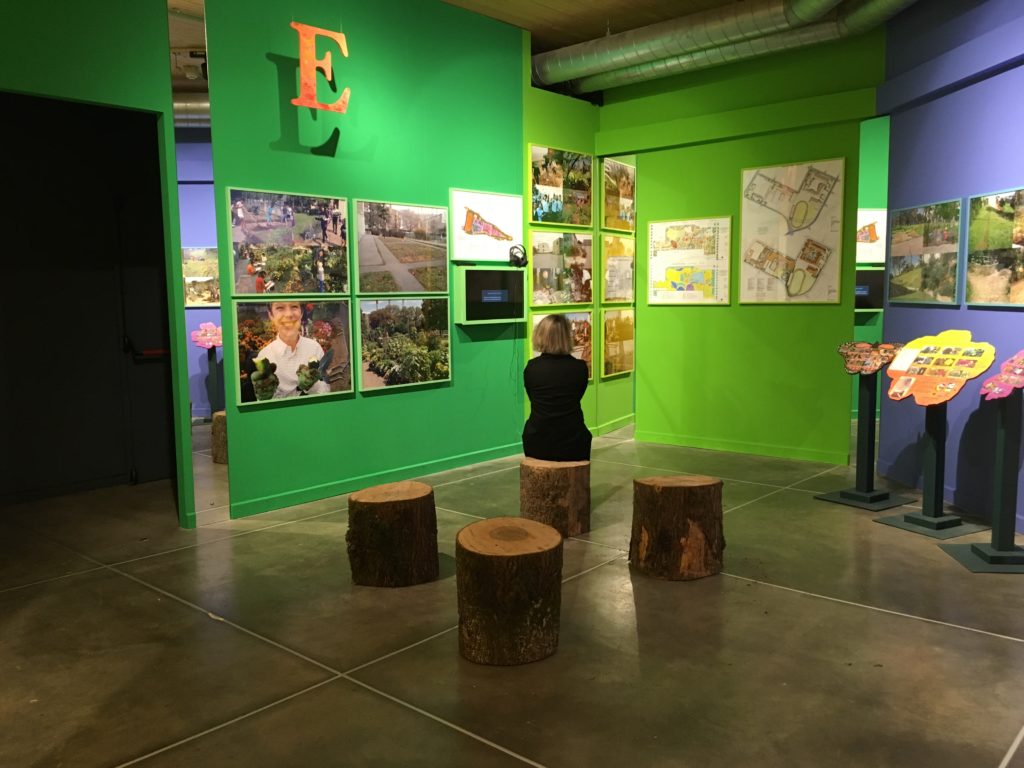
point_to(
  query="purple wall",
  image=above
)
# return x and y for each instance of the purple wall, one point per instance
(955, 93)
(199, 229)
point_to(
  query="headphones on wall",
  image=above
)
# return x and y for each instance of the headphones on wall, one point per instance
(517, 256)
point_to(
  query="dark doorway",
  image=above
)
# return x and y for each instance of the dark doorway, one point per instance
(85, 362)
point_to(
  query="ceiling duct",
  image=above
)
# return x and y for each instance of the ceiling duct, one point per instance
(191, 110)
(855, 17)
(706, 29)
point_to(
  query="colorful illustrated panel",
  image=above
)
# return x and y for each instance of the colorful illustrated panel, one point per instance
(202, 277)
(995, 249)
(688, 261)
(291, 348)
(872, 229)
(935, 368)
(401, 248)
(562, 265)
(866, 358)
(618, 204)
(923, 245)
(618, 341)
(582, 334)
(485, 225)
(619, 264)
(403, 342)
(791, 233)
(561, 190)
(1009, 378)
(284, 243)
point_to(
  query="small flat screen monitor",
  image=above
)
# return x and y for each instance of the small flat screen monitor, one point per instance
(493, 295)
(869, 288)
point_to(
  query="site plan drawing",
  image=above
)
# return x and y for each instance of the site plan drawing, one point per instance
(791, 233)
(688, 261)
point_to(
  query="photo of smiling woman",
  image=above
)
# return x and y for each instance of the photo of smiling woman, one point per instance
(293, 348)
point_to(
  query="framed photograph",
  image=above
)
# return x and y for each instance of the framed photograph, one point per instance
(618, 341)
(923, 247)
(401, 248)
(562, 264)
(293, 348)
(995, 249)
(618, 203)
(285, 243)
(872, 229)
(562, 187)
(403, 342)
(582, 333)
(485, 225)
(202, 277)
(619, 257)
(688, 261)
(791, 228)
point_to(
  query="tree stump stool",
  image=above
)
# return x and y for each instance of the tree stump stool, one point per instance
(219, 437)
(677, 527)
(556, 493)
(509, 577)
(392, 535)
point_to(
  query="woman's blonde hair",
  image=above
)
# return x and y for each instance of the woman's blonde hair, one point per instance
(553, 335)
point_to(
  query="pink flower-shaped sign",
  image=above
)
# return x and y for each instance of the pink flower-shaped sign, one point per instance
(1009, 378)
(207, 336)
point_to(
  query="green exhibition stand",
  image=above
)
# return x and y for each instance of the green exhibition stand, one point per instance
(932, 520)
(864, 495)
(1001, 556)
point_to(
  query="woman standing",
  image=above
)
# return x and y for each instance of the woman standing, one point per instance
(555, 383)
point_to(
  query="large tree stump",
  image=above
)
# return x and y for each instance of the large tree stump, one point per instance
(392, 535)
(219, 437)
(556, 493)
(509, 577)
(677, 527)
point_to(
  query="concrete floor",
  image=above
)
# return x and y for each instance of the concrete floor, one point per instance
(829, 640)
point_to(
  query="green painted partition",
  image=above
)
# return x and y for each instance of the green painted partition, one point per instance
(419, 121)
(114, 54)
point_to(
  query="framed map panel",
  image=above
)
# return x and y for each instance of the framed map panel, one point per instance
(688, 261)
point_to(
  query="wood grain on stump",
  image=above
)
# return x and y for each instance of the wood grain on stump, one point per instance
(677, 527)
(556, 493)
(392, 535)
(509, 578)
(219, 437)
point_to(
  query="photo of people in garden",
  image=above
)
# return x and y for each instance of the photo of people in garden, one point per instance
(293, 348)
(562, 186)
(404, 341)
(202, 277)
(923, 252)
(402, 248)
(286, 243)
(995, 249)
(618, 209)
(562, 268)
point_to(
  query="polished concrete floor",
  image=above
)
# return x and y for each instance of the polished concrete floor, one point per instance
(829, 640)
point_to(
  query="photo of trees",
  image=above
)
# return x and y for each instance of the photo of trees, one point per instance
(923, 253)
(562, 267)
(995, 249)
(561, 187)
(618, 205)
(202, 277)
(286, 243)
(402, 248)
(404, 341)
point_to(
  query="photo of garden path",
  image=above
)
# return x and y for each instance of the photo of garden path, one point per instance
(402, 248)
(289, 243)
(995, 249)
(404, 341)
(923, 253)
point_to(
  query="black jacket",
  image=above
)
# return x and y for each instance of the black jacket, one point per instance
(555, 430)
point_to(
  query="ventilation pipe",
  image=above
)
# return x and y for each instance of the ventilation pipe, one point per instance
(855, 17)
(706, 29)
(191, 110)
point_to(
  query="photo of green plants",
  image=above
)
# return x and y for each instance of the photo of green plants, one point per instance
(995, 249)
(562, 186)
(404, 341)
(402, 248)
(923, 247)
(202, 277)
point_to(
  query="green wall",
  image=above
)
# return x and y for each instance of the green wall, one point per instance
(114, 54)
(761, 379)
(562, 122)
(436, 102)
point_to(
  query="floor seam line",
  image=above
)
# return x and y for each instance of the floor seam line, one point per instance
(868, 607)
(444, 722)
(226, 723)
(474, 477)
(464, 514)
(51, 579)
(1013, 749)
(681, 472)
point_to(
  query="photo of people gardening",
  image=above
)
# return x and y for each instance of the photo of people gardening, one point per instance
(562, 268)
(402, 248)
(561, 186)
